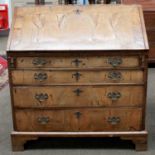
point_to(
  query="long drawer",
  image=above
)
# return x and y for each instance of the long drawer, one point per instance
(40, 77)
(114, 119)
(78, 62)
(78, 96)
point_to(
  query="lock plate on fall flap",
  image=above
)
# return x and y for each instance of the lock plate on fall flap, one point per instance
(77, 11)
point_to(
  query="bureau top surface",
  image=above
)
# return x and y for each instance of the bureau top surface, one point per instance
(93, 27)
(148, 5)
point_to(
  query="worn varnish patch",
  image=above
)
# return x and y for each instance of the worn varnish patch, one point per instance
(57, 28)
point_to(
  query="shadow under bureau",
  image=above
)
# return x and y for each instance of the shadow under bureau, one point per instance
(78, 71)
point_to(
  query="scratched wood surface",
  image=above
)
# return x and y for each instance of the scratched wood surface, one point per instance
(88, 96)
(51, 77)
(97, 119)
(57, 28)
(77, 62)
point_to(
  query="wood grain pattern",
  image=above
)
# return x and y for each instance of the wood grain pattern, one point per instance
(139, 138)
(89, 120)
(31, 28)
(78, 71)
(78, 62)
(25, 77)
(90, 96)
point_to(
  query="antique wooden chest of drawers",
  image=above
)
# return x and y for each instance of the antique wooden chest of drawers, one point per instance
(78, 71)
(149, 16)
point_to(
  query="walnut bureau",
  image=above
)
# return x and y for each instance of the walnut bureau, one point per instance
(78, 71)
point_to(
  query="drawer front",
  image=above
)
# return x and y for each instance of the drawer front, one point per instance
(149, 20)
(74, 96)
(117, 119)
(77, 62)
(61, 77)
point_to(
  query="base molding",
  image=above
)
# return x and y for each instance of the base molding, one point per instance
(139, 138)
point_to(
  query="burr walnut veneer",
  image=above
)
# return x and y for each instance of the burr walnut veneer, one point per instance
(78, 71)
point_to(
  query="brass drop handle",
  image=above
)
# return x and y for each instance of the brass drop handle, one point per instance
(77, 62)
(78, 114)
(77, 76)
(114, 120)
(115, 75)
(115, 61)
(43, 120)
(39, 62)
(40, 76)
(41, 97)
(77, 91)
(114, 95)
